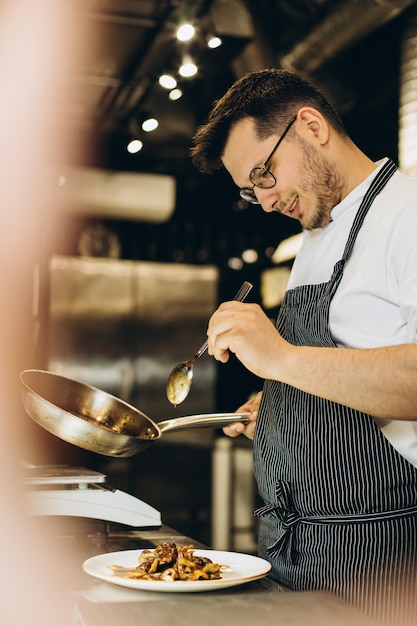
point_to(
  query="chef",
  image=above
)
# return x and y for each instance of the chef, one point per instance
(335, 437)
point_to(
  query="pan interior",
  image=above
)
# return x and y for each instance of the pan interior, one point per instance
(92, 405)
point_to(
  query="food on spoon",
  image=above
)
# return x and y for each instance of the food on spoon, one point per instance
(169, 562)
(178, 385)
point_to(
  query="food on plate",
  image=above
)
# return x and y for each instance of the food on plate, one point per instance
(169, 562)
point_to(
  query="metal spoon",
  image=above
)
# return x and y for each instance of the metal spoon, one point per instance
(180, 379)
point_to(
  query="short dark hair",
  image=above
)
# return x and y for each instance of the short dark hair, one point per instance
(271, 97)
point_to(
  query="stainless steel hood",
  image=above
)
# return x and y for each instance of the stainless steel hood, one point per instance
(123, 325)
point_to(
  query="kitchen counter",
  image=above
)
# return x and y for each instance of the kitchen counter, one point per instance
(92, 602)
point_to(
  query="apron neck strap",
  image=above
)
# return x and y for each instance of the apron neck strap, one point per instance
(378, 183)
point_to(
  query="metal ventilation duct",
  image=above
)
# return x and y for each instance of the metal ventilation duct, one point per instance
(348, 23)
(120, 195)
(408, 98)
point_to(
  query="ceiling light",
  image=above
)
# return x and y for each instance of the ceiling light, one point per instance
(134, 146)
(175, 94)
(185, 32)
(150, 124)
(213, 41)
(188, 68)
(167, 81)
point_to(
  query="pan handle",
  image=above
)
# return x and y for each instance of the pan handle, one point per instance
(218, 420)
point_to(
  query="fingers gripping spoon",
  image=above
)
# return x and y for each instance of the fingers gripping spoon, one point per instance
(181, 377)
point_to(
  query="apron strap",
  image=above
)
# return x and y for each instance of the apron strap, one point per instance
(387, 170)
(289, 519)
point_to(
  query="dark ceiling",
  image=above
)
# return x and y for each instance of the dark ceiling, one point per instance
(122, 47)
(350, 48)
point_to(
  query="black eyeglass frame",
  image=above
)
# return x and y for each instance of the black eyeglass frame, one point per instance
(247, 193)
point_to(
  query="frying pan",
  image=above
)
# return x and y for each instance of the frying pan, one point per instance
(97, 421)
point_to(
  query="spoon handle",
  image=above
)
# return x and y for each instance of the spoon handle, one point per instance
(239, 297)
(243, 291)
(200, 351)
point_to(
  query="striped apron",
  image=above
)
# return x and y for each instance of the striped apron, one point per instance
(340, 503)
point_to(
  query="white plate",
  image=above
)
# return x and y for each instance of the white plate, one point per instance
(242, 568)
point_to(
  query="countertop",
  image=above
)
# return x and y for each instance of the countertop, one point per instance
(92, 602)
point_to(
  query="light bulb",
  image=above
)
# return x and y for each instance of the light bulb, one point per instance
(175, 94)
(134, 146)
(150, 124)
(167, 81)
(214, 41)
(187, 69)
(185, 32)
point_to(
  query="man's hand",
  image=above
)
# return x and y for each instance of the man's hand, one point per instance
(251, 407)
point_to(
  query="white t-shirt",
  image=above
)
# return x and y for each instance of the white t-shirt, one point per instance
(375, 304)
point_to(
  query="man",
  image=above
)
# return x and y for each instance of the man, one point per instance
(335, 440)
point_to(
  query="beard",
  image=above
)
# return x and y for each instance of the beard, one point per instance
(321, 180)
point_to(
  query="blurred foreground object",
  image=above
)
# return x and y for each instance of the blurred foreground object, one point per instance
(32, 41)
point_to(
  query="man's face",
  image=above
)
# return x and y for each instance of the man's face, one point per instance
(307, 185)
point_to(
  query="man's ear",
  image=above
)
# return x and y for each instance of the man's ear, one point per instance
(313, 124)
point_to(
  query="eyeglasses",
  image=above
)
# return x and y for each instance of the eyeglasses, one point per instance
(261, 176)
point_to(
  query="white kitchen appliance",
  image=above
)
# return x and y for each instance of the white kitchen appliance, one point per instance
(61, 490)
